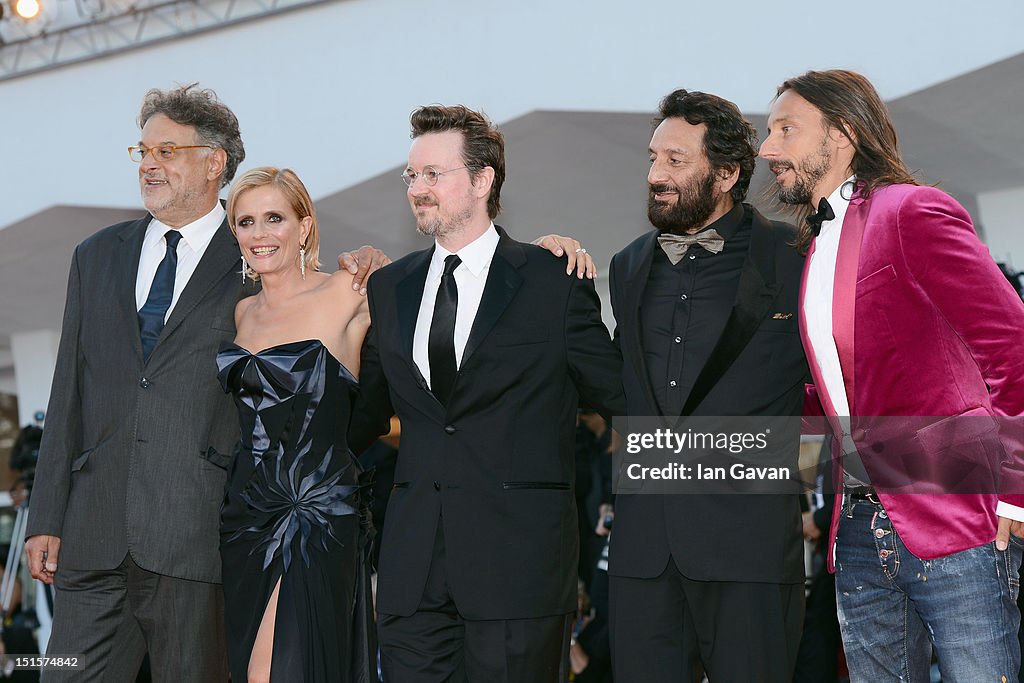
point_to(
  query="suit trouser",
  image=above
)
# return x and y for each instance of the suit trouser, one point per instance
(108, 619)
(665, 628)
(436, 644)
(818, 658)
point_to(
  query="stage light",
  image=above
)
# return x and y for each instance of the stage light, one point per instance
(27, 9)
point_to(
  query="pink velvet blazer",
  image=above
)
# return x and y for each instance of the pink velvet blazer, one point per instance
(927, 327)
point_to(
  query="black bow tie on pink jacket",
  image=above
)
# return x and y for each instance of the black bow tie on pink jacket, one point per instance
(824, 213)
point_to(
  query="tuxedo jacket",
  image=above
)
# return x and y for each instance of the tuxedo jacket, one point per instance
(757, 367)
(495, 467)
(927, 325)
(134, 453)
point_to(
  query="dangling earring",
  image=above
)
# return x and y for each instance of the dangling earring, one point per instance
(302, 261)
(244, 266)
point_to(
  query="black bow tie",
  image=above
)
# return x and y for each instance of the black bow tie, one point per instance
(824, 213)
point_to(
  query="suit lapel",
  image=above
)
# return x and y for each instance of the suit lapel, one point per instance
(221, 256)
(844, 292)
(756, 292)
(827, 405)
(408, 294)
(635, 279)
(127, 273)
(503, 281)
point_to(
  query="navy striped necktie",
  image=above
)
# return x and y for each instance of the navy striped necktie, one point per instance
(161, 292)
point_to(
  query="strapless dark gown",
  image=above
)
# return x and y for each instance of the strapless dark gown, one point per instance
(293, 511)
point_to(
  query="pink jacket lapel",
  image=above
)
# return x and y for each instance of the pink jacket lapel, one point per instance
(844, 293)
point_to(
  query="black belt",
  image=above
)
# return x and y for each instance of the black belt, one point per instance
(863, 493)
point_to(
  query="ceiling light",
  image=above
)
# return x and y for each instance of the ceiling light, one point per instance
(27, 9)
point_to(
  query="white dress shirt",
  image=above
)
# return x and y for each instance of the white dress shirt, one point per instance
(818, 292)
(818, 314)
(470, 277)
(195, 237)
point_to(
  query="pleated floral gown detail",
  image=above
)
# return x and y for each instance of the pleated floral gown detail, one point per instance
(293, 511)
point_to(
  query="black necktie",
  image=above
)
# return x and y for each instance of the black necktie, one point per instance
(441, 343)
(151, 315)
(824, 213)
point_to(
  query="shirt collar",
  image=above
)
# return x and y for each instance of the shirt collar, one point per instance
(476, 255)
(199, 232)
(839, 200)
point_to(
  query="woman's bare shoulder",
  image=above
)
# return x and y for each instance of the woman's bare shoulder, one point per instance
(243, 307)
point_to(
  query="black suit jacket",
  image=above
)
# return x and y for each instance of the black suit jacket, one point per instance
(756, 368)
(496, 466)
(134, 453)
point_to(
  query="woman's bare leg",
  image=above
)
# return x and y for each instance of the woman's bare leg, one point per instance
(263, 648)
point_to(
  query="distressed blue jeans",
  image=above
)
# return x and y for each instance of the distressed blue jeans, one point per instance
(895, 608)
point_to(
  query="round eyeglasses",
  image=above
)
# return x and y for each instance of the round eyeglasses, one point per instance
(160, 152)
(429, 174)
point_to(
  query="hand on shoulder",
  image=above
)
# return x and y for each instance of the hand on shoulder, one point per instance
(342, 281)
(344, 298)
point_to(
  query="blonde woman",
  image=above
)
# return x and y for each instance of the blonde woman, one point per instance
(292, 533)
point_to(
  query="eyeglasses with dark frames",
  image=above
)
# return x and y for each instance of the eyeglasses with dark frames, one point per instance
(160, 152)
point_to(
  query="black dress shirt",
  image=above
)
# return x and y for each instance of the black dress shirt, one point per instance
(685, 307)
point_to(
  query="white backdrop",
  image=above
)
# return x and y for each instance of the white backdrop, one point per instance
(328, 90)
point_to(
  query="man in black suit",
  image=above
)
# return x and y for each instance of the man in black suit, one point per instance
(483, 346)
(705, 307)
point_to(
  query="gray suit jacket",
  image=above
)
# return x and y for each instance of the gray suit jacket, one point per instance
(134, 454)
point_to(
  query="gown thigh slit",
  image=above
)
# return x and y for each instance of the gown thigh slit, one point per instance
(269, 613)
(294, 512)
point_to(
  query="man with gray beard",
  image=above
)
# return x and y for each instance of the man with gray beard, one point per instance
(705, 309)
(477, 577)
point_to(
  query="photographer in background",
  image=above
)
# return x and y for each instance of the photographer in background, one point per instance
(590, 648)
(25, 451)
(19, 624)
(593, 483)
(17, 631)
(1016, 279)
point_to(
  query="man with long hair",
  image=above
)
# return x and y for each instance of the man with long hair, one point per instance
(906, 314)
